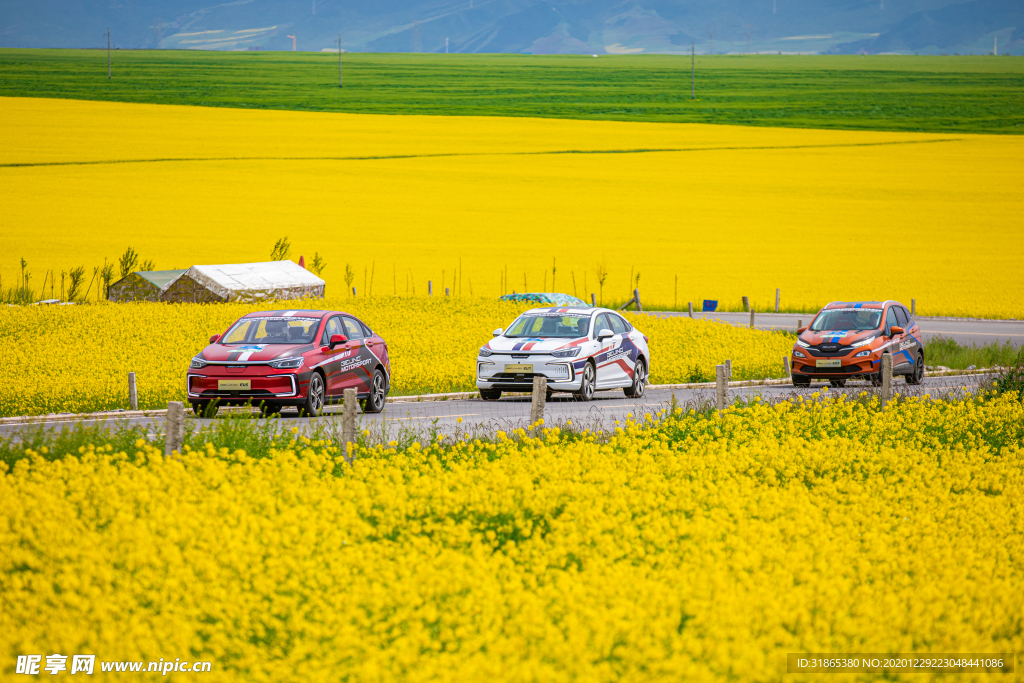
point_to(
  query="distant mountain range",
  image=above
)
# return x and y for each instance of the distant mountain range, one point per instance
(524, 26)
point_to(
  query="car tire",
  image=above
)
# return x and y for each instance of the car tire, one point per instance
(490, 394)
(270, 409)
(636, 390)
(917, 376)
(374, 403)
(314, 403)
(589, 383)
(799, 381)
(837, 382)
(205, 408)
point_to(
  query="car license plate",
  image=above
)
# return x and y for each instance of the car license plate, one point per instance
(233, 384)
(519, 368)
(828, 363)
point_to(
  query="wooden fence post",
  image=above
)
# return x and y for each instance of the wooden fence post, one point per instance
(746, 304)
(430, 288)
(174, 427)
(751, 318)
(799, 323)
(689, 304)
(720, 388)
(593, 300)
(886, 380)
(133, 393)
(636, 298)
(787, 372)
(777, 294)
(913, 307)
(540, 397)
(348, 423)
(728, 369)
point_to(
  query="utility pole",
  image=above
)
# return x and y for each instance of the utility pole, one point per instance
(693, 73)
(108, 53)
(446, 46)
(339, 60)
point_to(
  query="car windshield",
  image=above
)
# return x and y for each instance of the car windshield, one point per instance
(843, 319)
(272, 330)
(545, 325)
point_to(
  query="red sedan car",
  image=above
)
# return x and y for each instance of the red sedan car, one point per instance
(304, 359)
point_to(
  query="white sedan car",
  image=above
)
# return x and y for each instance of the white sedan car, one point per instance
(578, 350)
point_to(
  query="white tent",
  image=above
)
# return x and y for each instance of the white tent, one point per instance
(248, 282)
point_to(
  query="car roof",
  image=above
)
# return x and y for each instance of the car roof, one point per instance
(860, 304)
(577, 310)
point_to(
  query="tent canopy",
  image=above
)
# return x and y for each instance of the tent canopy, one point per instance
(245, 282)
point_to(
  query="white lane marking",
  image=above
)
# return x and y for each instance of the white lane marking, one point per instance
(431, 417)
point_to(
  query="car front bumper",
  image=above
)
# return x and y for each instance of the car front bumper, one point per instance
(491, 373)
(285, 387)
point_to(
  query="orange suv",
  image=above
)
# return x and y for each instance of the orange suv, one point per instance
(847, 339)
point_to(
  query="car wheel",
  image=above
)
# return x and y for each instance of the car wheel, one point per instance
(917, 376)
(490, 394)
(837, 382)
(799, 381)
(314, 397)
(205, 408)
(374, 403)
(270, 409)
(639, 380)
(589, 384)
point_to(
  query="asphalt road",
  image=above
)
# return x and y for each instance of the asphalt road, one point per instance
(961, 330)
(484, 418)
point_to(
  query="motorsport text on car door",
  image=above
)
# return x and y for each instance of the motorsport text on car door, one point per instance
(304, 359)
(848, 338)
(580, 350)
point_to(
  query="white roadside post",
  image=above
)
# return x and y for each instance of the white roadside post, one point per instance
(133, 393)
(720, 385)
(886, 380)
(540, 399)
(348, 423)
(174, 427)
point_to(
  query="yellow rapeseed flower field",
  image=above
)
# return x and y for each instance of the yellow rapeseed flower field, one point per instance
(77, 358)
(681, 547)
(490, 205)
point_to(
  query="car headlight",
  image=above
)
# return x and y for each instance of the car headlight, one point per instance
(798, 354)
(287, 363)
(802, 343)
(862, 343)
(566, 353)
(485, 352)
(197, 363)
(863, 353)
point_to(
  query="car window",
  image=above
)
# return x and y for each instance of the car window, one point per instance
(366, 330)
(842, 319)
(890, 318)
(352, 329)
(332, 328)
(602, 324)
(901, 316)
(618, 324)
(629, 328)
(239, 333)
(549, 324)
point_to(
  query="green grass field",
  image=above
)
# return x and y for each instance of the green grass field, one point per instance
(905, 93)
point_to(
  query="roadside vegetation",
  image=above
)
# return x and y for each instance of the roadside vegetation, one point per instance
(948, 353)
(676, 546)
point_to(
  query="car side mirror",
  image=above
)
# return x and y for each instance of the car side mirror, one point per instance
(802, 330)
(498, 332)
(337, 339)
(896, 330)
(604, 334)
(214, 339)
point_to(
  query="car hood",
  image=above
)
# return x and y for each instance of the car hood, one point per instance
(253, 352)
(532, 344)
(842, 337)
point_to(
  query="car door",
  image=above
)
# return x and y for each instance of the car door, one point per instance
(892, 321)
(332, 358)
(357, 368)
(609, 373)
(907, 345)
